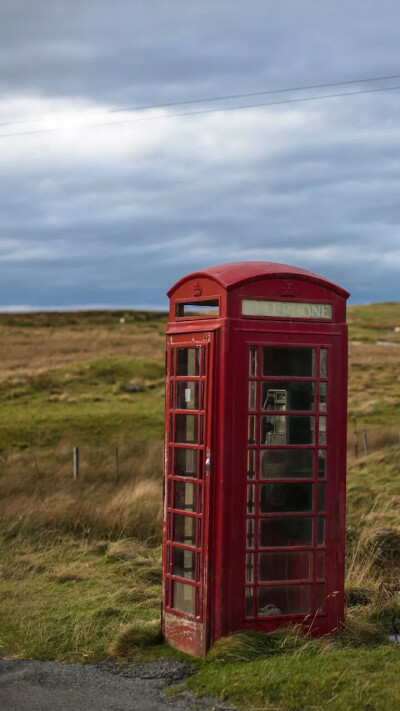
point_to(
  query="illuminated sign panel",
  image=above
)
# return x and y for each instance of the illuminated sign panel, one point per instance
(286, 309)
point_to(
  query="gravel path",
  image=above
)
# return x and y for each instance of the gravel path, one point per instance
(28, 685)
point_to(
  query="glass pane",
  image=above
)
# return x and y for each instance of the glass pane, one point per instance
(285, 566)
(183, 563)
(321, 463)
(284, 395)
(298, 362)
(251, 429)
(249, 568)
(249, 602)
(284, 600)
(252, 395)
(187, 395)
(321, 497)
(285, 532)
(185, 462)
(253, 361)
(251, 463)
(185, 530)
(320, 531)
(172, 362)
(322, 396)
(320, 565)
(287, 429)
(285, 498)
(320, 597)
(183, 597)
(188, 361)
(282, 463)
(186, 428)
(204, 361)
(323, 357)
(185, 496)
(198, 309)
(250, 498)
(250, 533)
(322, 431)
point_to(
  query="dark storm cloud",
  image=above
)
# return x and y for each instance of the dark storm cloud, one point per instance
(167, 47)
(116, 214)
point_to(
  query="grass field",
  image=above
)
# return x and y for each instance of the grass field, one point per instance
(80, 559)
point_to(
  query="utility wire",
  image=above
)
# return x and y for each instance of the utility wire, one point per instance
(205, 111)
(209, 99)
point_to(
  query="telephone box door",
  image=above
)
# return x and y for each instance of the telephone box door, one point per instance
(187, 466)
(292, 500)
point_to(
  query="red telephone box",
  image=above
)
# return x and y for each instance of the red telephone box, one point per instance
(255, 453)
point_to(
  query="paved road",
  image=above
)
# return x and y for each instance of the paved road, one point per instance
(28, 685)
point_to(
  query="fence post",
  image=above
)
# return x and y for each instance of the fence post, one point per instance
(365, 441)
(36, 464)
(116, 465)
(355, 437)
(76, 462)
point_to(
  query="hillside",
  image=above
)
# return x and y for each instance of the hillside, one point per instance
(80, 559)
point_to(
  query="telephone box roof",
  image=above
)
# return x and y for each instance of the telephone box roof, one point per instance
(233, 274)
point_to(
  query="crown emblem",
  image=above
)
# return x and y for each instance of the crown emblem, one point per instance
(197, 290)
(287, 288)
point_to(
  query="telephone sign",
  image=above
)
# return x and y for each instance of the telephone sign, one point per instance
(255, 453)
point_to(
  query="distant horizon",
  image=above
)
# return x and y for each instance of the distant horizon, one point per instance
(25, 309)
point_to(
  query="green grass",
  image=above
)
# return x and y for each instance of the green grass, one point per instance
(85, 401)
(371, 322)
(82, 319)
(354, 679)
(64, 598)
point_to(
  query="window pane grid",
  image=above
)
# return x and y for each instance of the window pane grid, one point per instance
(284, 393)
(187, 367)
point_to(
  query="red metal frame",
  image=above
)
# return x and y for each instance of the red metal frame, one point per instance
(314, 480)
(227, 339)
(197, 618)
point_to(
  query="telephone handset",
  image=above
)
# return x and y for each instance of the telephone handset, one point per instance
(275, 426)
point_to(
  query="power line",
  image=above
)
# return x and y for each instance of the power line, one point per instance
(209, 99)
(238, 107)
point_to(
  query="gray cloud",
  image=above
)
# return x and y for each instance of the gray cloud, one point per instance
(115, 214)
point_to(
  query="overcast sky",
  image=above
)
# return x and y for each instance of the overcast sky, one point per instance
(112, 215)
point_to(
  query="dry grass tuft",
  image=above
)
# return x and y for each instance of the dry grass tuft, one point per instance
(133, 638)
(125, 549)
(38, 497)
(135, 510)
(138, 509)
(385, 545)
